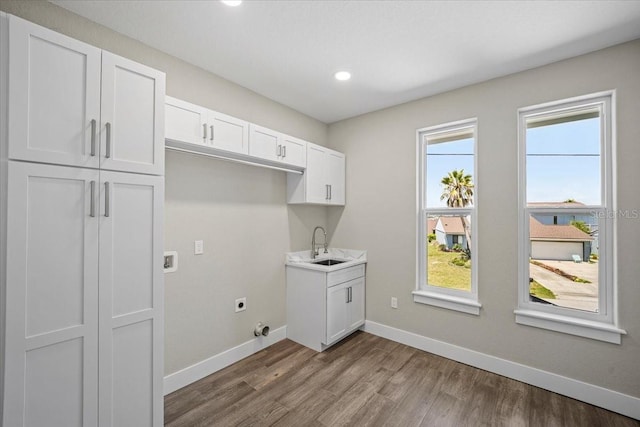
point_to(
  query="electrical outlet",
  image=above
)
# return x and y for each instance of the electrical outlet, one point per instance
(394, 302)
(241, 304)
(198, 247)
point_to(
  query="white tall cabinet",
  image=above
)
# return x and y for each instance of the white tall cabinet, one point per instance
(82, 211)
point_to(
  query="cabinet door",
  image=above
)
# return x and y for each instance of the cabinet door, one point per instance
(51, 359)
(337, 315)
(228, 133)
(185, 122)
(132, 113)
(131, 300)
(264, 143)
(316, 175)
(356, 303)
(336, 177)
(54, 97)
(294, 151)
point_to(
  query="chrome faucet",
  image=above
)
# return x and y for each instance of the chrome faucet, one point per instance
(314, 247)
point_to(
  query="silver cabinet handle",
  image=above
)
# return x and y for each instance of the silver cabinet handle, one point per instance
(108, 154)
(93, 137)
(347, 289)
(330, 192)
(204, 128)
(326, 192)
(278, 150)
(106, 200)
(211, 137)
(92, 205)
(350, 294)
(284, 151)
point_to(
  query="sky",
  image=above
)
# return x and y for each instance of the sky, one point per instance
(563, 162)
(443, 158)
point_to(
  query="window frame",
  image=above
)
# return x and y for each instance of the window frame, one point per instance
(603, 324)
(453, 299)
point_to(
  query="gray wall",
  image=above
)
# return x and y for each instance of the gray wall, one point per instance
(381, 215)
(239, 211)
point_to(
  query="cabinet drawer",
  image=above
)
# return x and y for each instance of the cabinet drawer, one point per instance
(344, 275)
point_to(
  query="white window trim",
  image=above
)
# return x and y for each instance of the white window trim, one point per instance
(602, 325)
(453, 299)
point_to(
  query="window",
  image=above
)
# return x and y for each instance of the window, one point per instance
(566, 226)
(447, 200)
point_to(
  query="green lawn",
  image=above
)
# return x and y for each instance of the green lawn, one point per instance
(537, 290)
(441, 272)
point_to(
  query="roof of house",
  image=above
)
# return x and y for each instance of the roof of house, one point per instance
(431, 224)
(574, 204)
(539, 231)
(452, 224)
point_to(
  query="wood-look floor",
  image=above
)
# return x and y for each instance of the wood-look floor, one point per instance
(366, 380)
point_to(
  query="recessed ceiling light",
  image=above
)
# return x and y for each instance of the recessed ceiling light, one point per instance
(232, 3)
(342, 75)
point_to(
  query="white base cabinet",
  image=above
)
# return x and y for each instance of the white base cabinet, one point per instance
(84, 284)
(324, 307)
(323, 182)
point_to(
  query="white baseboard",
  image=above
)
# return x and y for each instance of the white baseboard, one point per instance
(589, 393)
(193, 373)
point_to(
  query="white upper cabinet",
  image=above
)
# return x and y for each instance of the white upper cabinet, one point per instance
(190, 123)
(323, 181)
(184, 122)
(264, 143)
(132, 116)
(54, 97)
(228, 133)
(74, 104)
(277, 147)
(294, 151)
(335, 166)
(193, 128)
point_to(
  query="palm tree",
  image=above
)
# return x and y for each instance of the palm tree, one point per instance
(458, 189)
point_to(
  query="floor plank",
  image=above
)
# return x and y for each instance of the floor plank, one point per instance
(366, 380)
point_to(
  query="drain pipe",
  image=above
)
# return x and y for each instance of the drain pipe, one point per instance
(261, 329)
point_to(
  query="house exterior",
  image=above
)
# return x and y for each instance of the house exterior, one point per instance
(431, 225)
(558, 241)
(452, 230)
(566, 219)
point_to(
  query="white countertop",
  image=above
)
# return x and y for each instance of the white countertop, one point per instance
(303, 259)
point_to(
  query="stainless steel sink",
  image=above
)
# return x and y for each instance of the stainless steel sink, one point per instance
(328, 262)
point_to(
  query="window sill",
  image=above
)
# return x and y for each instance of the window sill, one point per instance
(570, 325)
(465, 305)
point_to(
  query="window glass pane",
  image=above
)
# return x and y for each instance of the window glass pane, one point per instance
(449, 173)
(563, 162)
(449, 251)
(563, 268)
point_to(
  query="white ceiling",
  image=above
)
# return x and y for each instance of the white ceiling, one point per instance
(397, 51)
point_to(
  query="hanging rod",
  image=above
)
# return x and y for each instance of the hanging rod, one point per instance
(169, 146)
